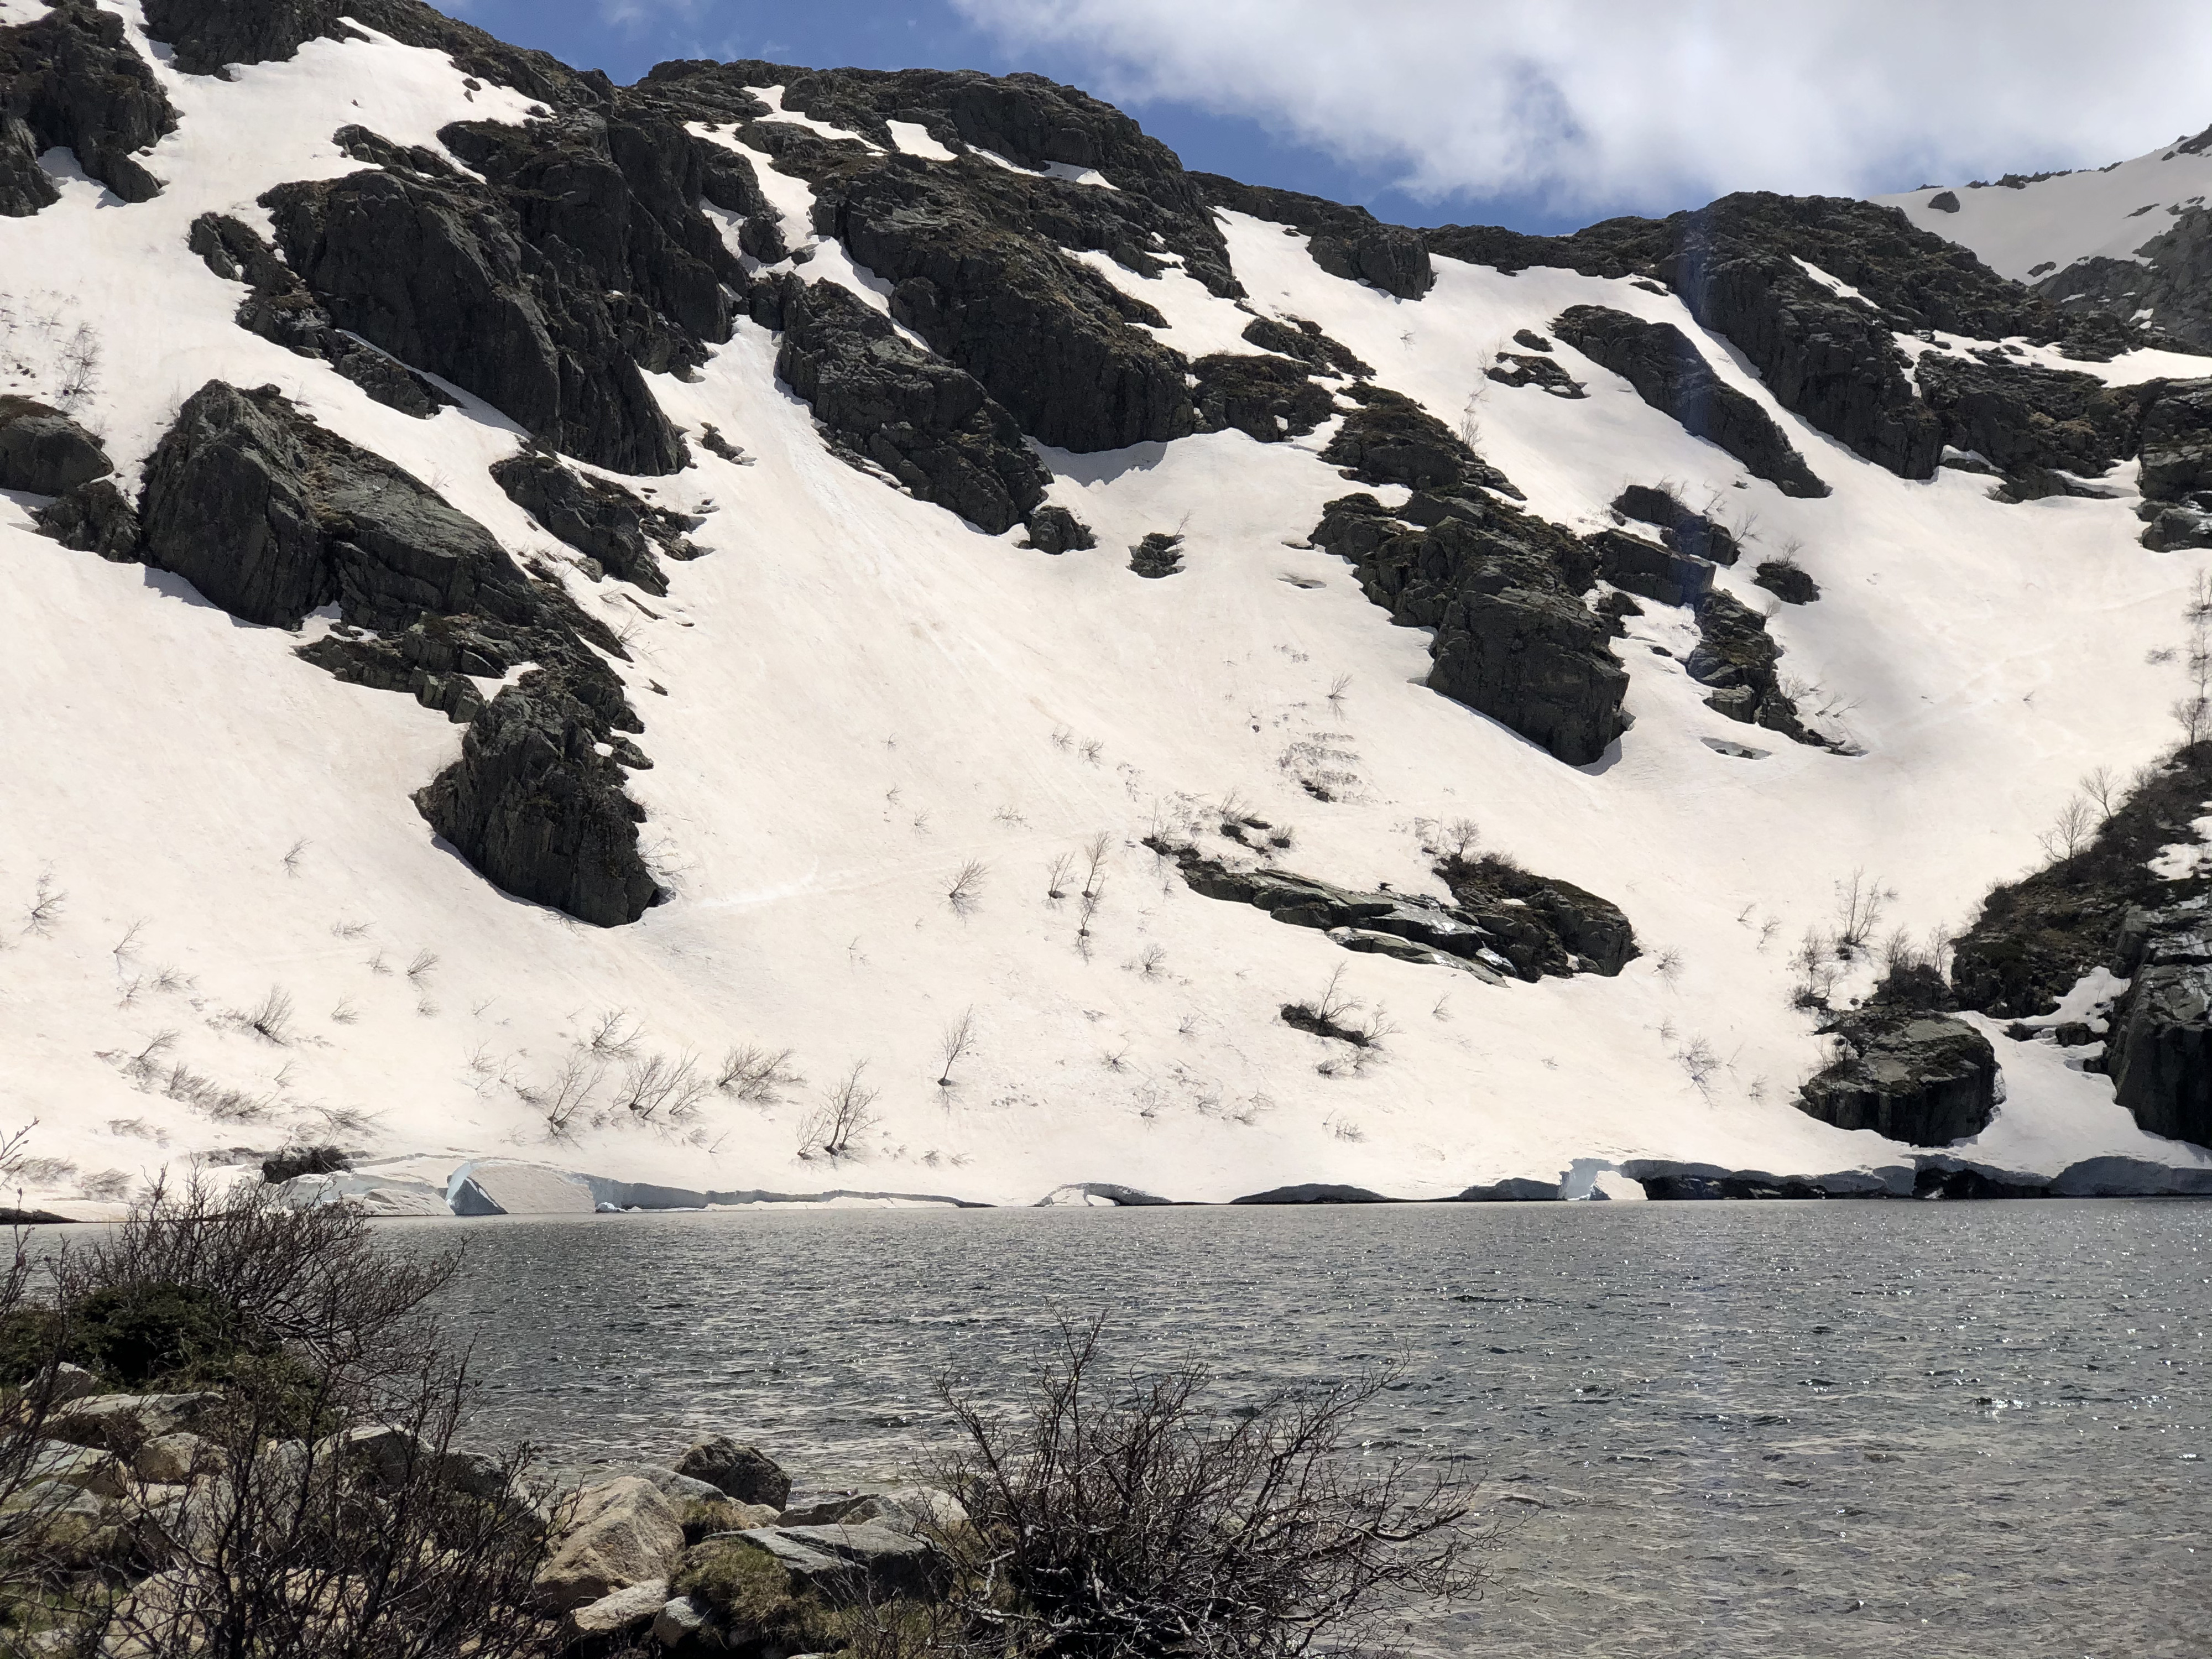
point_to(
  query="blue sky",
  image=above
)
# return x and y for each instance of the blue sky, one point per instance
(627, 40)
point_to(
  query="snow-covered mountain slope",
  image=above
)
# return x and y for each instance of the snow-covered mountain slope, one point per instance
(919, 802)
(2130, 238)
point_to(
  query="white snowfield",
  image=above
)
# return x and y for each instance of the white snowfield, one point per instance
(855, 694)
(2029, 231)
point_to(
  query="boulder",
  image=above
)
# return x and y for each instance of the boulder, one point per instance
(627, 1612)
(687, 1624)
(621, 1533)
(1788, 582)
(602, 521)
(1681, 528)
(842, 1560)
(67, 1382)
(81, 1467)
(743, 1473)
(175, 1459)
(1924, 1078)
(43, 452)
(123, 1422)
(93, 518)
(1056, 530)
(1671, 375)
(1159, 554)
(678, 1489)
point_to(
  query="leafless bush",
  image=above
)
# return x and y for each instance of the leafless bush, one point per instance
(656, 1088)
(425, 964)
(1699, 1064)
(345, 1012)
(345, 928)
(79, 370)
(756, 1076)
(1338, 687)
(271, 1019)
(2105, 791)
(1668, 965)
(957, 1042)
(1815, 968)
(47, 902)
(1150, 960)
(1055, 879)
(1092, 749)
(2076, 826)
(1860, 903)
(966, 893)
(1125, 1516)
(614, 1035)
(292, 855)
(567, 1092)
(377, 964)
(848, 1112)
(1094, 859)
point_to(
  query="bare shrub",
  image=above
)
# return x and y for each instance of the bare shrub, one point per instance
(292, 854)
(1816, 970)
(1860, 904)
(1055, 877)
(1094, 858)
(756, 1076)
(656, 1088)
(47, 902)
(1150, 960)
(1125, 1515)
(2076, 826)
(424, 963)
(965, 895)
(847, 1111)
(271, 1019)
(955, 1045)
(567, 1092)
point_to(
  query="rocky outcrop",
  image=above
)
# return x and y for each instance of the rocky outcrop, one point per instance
(1651, 570)
(1158, 554)
(1679, 527)
(44, 451)
(1056, 530)
(72, 80)
(1515, 1189)
(1520, 368)
(1391, 440)
(1266, 398)
(1672, 375)
(1927, 1080)
(1500, 589)
(602, 521)
(2174, 443)
(1736, 657)
(1540, 924)
(2029, 423)
(271, 516)
(279, 308)
(1787, 580)
(886, 403)
(2033, 938)
(1503, 919)
(2166, 285)
(1345, 241)
(1314, 1192)
(437, 271)
(2160, 1054)
(535, 805)
(1297, 337)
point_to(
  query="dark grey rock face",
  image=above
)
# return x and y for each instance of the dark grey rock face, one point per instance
(44, 451)
(71, 79)
(1314, 1192)
(926, 423)
(94, 517)
(1345, 241)
(2170, 278)
(1671, 375)
(1786, 580)
(1650, 569)
(1056, 530)
(2160, 1054)
(1926, 1079)
(279, 308)
(1681, 527)
(1540, 924)
(533, 806)
(1515, 1189)
(1736, 657)
(2030, 422)
(1266, 398)
(1500, 591)
(432, 271)
(602, 521)
(2176, 449)
(1520, 368)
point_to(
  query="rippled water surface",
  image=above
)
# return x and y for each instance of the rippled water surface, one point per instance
(1719, 1430)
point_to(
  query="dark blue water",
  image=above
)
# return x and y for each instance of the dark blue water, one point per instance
(1779, 1430)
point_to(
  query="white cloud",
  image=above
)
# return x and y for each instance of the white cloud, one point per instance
(1592, 103)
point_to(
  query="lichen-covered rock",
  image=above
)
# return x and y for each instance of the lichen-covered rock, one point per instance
(1787, 581)
(1671, 375)
(1295, 337)
(1390, 439)
(1500, 589)
(926, 423)
(535, 805)
(2028, 421)
(1540, 924)
(71, 79)
(1520, 368)
(2166, 284)
(44, 451)
(1926, 1079)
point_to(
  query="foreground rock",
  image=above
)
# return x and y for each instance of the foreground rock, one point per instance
(743, 1473)
(44, 451)
(1927, 1080)
(623, 1534)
